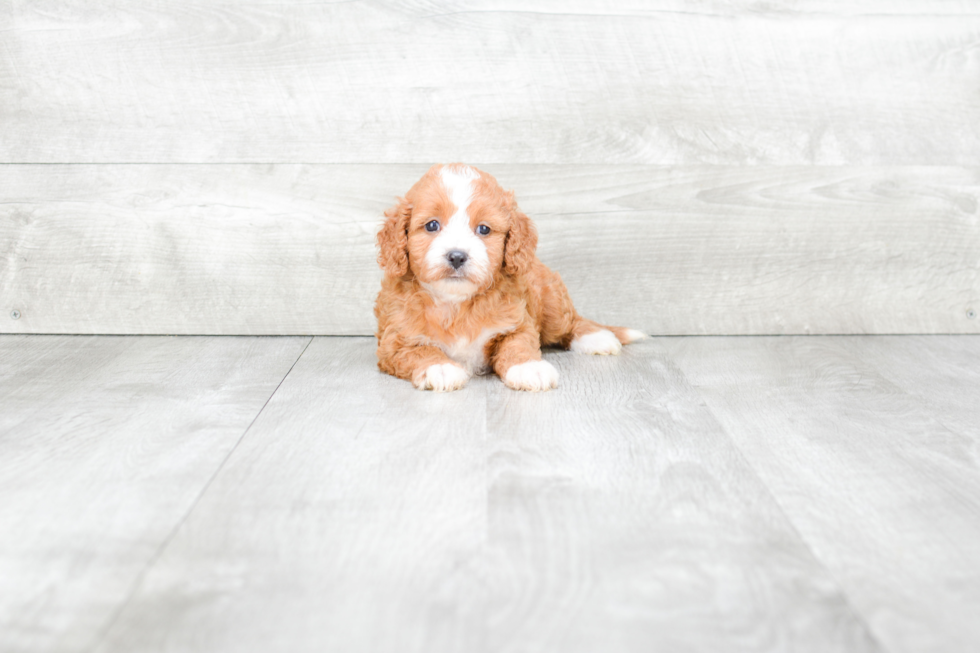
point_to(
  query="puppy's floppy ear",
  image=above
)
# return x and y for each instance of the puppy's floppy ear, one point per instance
(522, 240)
(393, 239)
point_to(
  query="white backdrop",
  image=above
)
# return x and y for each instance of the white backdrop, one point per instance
(693, 167)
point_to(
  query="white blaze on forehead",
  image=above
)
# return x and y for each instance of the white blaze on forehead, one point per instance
(456, 234)
(459, 182)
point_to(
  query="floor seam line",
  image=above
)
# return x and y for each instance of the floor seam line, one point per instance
(87, 375)
(176, 528)
(857, 612)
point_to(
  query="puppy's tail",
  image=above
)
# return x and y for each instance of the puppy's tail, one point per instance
(590, 337)
(625, 335)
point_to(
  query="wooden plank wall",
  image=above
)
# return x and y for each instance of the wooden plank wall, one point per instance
(697, 167)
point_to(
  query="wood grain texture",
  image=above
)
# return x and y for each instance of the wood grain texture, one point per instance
(622, 518)
(349, 519)
(105, 444)
(693, 494)
(878, 480)
(360, 514)
(667, 82)
(289, 249)
(941, 372)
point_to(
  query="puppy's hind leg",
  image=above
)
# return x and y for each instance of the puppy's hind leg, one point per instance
(562, 325)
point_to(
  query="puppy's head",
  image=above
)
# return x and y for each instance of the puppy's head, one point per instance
(456, 230)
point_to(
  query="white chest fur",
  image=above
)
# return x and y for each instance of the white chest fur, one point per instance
(471, 354)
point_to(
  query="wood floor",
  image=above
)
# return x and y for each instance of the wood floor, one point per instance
(694, 494)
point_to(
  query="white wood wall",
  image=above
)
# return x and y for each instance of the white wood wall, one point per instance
(712, 166)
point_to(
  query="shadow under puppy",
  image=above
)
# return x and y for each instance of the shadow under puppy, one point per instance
(464, 292)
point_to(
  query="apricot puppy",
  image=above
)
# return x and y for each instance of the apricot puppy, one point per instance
(464, 292)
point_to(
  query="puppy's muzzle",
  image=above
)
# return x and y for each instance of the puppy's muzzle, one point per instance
(457, 258)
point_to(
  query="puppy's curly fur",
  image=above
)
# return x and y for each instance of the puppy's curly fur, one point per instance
(440, 320)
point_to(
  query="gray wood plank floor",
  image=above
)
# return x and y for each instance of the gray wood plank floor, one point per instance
(876, 470)
(694, 494)
(105, 445)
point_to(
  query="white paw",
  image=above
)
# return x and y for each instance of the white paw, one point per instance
(532, 375)
(602, 342)
(442, 377)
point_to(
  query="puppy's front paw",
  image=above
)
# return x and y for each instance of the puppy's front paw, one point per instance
(532, 375)
(442, 377)
(603, 343)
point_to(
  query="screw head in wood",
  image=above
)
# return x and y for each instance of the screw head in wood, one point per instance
(970, 313)
(15, 314)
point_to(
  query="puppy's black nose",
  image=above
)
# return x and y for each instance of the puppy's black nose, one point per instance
(456, 258)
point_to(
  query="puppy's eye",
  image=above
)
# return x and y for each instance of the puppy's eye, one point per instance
(432, 225)
(483, 230)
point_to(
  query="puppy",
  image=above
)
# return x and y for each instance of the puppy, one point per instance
(464, 292)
